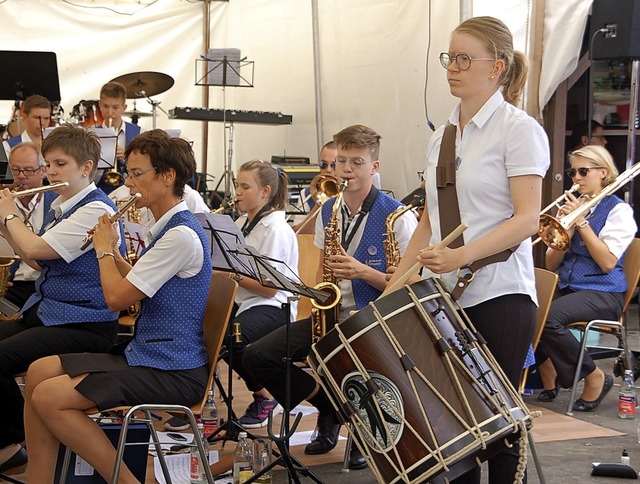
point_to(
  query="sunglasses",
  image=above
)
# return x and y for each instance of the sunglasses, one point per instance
(324, 165)
(571, 172)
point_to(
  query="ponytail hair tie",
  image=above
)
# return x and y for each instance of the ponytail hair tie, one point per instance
(278, 170)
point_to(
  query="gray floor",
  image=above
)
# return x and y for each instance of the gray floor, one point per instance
(562, 462)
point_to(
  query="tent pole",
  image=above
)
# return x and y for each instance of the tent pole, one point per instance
(317, 76)
(206, 40)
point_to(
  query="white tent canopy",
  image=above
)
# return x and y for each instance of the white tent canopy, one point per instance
(368, 63)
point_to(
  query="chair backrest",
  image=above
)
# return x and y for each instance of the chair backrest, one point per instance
(222, 293)
(631, 267)
(308, 262)
(546, 282)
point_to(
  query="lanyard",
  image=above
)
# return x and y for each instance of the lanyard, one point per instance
(26, 215)
(248, 227)
(350, 226)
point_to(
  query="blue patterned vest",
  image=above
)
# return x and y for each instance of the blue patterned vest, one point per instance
(169, 330)
(370, 251)
(70, 292)
(47, 198)
(14, 140)
(579, 271)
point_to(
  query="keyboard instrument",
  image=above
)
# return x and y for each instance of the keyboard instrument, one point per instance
(232, 115)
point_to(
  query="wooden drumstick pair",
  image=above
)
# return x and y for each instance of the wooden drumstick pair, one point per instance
(413, 270)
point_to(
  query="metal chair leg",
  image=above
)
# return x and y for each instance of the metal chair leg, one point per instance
(583, 349)
(347, 453)
(536, 462)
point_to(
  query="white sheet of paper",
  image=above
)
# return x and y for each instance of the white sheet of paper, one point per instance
(303, 438)
(179, 468)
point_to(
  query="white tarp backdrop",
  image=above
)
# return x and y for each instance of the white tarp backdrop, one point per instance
(372, 66)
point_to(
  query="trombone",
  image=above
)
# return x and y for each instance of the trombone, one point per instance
(554, 231)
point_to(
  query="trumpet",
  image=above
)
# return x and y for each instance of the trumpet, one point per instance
(554, 231)
(44, 188)
(322, 188)
(114, 218)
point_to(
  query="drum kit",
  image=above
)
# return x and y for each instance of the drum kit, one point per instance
(86, 113)
(415, 380)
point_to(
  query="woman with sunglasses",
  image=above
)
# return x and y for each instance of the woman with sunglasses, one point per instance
(591, 281)
(501, 155)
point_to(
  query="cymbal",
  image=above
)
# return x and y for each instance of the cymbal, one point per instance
(142, 84)
(140, 114)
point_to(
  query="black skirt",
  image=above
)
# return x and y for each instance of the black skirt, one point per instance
(112, 382)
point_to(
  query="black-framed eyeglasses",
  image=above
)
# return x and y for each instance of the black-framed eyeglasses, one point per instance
(137, 174)
(463, 61)
(571, 172)
(325, 164)
(26, 171)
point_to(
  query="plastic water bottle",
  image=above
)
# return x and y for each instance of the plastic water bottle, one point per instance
(209, 416)
(627, 397)
(242, 460)
(197, 472)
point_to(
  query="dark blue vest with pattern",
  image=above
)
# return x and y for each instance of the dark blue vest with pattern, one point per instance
(70, 292)
(370, 250)
(47, 198)
(13, 141)
(579, 271)
(169, 330)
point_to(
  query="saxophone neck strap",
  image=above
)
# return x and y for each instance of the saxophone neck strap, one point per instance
(350, 227)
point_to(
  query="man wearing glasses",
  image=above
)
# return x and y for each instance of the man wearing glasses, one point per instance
(27, 166)
(327, 165)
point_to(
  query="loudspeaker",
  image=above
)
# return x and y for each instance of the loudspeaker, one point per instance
(622, 18)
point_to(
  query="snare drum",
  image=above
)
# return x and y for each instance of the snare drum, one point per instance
(87, 114)
(424, 395)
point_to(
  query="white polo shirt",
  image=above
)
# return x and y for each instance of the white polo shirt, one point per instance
(500, 141)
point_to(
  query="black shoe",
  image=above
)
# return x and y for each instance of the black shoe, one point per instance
(581, 405)
(16, 464)
(356, 459)
(327, 432)
(548, 395)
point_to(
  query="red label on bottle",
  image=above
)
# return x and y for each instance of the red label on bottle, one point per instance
(195, 467)
(626, 405)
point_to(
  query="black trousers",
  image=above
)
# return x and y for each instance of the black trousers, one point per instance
(23, 342)
(20, 291)
(255, 323)
(559, 344)
(264, 360)
(507, 324)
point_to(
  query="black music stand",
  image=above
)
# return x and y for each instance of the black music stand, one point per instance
(224, 72)
(269, 276)
(28, 73)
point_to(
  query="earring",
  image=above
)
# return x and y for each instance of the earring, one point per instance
(492, 77)
(84, 175)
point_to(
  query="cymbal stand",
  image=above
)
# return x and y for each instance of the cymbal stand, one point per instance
(155, 105)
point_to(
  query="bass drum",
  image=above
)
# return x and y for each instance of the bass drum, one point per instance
(87, 114)
(416, 382)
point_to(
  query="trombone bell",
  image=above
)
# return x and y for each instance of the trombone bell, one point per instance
(553, 234)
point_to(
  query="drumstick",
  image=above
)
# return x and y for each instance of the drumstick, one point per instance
(417, 266)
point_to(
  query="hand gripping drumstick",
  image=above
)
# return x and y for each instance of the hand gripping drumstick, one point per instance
(416, 267)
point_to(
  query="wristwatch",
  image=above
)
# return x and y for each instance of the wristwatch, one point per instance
(582, 224)
(100, 254)
(11, 216)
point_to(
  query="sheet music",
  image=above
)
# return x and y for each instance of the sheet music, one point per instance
(179, 468)
(108, 143)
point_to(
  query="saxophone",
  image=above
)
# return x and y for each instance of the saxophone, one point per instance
(391, 251)
(324, 316)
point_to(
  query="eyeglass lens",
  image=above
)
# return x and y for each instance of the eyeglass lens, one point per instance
(581, 171)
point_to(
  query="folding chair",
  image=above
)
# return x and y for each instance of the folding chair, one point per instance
(631, 266)
(222, 292)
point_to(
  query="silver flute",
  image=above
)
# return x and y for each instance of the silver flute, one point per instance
(86, 242)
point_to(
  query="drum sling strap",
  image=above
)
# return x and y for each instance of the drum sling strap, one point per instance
(449, 210)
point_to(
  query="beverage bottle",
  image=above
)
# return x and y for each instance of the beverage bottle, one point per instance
(627, 397)
(197, 473)
(209, 416)
(242, 460)
(624, 458)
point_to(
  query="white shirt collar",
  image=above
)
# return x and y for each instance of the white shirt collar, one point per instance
(153, 229)
(485, 112)
(63, 206)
